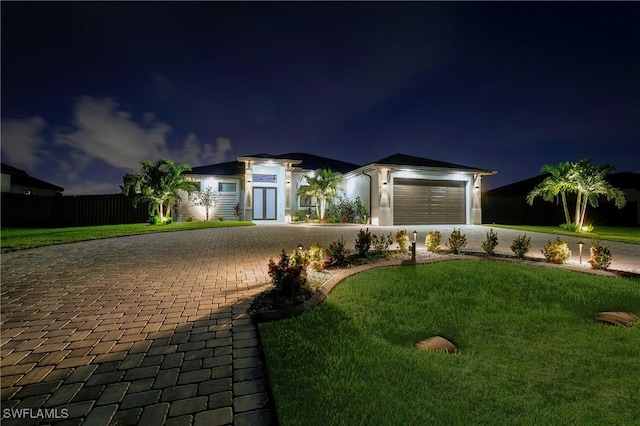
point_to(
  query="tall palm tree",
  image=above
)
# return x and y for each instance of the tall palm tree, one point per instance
(158, 184)
(591, 184)
(323, 185)
(559, 183)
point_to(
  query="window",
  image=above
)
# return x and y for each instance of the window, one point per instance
(306, 201)
(226, 187)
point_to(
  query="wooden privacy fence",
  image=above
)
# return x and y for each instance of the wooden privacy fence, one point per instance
(516, 211)
(41, 211)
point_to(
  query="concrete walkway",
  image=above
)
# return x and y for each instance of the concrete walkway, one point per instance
(152, 329)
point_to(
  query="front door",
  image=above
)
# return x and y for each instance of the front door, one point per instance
(264, 203)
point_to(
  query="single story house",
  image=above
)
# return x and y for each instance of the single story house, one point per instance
(18, 181)
(397, 190)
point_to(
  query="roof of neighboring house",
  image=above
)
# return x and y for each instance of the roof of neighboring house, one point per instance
(399, 159)
(229, 168)
(22, 178)
(622, 180)
(311, 161)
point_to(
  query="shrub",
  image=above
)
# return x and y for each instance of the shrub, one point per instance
(288, 279)
(220, 218)
(168, 220)
(556, 251)
(457, 240)
(521, 245)
(336, 253)
(432, 242)
(600, 256)
(154, 220)
(344, 210)
(363, 242)
(299, 257)
(316, 257)
(381, 244)
(571, 227)
(403, 240)
(490, 243)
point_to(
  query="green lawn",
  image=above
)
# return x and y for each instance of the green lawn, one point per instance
(25, 238)
(530, 349)
(604, 233)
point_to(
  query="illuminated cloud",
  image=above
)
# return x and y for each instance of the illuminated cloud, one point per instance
(102, 130)
(21, 141)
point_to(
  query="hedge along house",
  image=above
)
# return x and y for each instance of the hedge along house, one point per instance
(397, 190)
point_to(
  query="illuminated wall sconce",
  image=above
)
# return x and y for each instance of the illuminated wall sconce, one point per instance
(288, 182)
(384, 183)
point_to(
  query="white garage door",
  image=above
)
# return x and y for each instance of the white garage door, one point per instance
(423, 201)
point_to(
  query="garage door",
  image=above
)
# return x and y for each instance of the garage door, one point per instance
(423, 201)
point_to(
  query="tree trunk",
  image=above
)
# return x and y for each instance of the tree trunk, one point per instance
(567, 218)
(578, 208)
(322, 207)
(161, 211)
(584, 211)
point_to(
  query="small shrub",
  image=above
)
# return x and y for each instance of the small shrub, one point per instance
(457, 240)
(288, 279)
(220, 218)
(490, 243)
(432, 242)
(316, 257)
(299, 257)
(521, 245)
(168, 220)
(600, 256)
(571, 227)
(336, 253)
(154, 220)
(189, 218)
(403, 240)
(381, 244)
(556, 251)
(363, 242)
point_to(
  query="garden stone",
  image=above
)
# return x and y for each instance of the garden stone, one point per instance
(437, 344)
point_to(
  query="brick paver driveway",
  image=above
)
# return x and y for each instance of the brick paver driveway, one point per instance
(152, 329)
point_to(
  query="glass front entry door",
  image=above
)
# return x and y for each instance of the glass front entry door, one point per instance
(264, 204)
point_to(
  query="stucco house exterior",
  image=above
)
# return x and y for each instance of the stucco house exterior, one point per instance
(397, 190)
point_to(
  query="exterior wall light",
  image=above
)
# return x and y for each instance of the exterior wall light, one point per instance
(580, 244)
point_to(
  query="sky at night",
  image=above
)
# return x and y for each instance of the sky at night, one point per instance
(91, 89)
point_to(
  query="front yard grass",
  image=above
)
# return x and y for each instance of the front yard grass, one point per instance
(604, 233)
(26, 238)
(531, 351)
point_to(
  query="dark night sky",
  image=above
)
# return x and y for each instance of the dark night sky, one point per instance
(91, 89)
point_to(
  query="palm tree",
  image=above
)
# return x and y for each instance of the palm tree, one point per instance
(558, 183)
(591, 184)
(158, 184)
(323, 186)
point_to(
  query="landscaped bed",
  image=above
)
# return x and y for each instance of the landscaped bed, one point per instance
(621, 234)
(531, 350)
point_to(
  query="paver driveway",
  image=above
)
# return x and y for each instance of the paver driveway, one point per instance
(152, 328)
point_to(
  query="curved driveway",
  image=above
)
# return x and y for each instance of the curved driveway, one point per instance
(152, 328)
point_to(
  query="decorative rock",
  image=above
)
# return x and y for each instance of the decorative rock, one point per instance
(437, 344)
(623, 319)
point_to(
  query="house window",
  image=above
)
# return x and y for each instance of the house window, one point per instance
(226, 187)
(306, 201)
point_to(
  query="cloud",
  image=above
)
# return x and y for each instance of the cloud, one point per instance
(21, 140)
(102, 130)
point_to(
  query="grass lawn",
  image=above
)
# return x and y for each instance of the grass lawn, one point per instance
(605, 233)
(25, 238)
(530, 349)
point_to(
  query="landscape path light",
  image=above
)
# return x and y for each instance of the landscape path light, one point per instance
(413, 246)
(580, 244)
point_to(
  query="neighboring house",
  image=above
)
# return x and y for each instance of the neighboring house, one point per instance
(397, 190)
(507, 204)
(19, 182)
